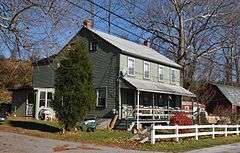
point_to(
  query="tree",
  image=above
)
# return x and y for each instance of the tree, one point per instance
(74, 89)
(188, 31)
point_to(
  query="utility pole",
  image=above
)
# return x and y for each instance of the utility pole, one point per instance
(109, 15)
(92, 10)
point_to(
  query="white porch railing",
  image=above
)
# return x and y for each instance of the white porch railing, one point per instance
(211, 130)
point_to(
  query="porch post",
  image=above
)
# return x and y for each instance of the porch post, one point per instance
(26, 108)
(153, 101)
(37, 103)
(119, 100)
(168, 98)
(138, 126)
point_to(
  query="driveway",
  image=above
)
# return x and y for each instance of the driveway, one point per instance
(17, 143)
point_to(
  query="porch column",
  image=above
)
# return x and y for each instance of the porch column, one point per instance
(138, 93)
(37, 103)
(26, 108)
(168, 99)
(153, 101)
(119, 100)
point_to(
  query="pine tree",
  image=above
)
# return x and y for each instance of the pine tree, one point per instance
(74, 89)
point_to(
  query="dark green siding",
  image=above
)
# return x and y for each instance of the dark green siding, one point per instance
(105, 71)
(43, 76)
(106, 67)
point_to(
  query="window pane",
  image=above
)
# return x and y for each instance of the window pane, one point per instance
(93, 46)
(49, 99)
(173, 76)
(131, 66)
(49, 95)
(42, 103)
(146, 70)
(42, 94)
(160, 73)
(101, 97)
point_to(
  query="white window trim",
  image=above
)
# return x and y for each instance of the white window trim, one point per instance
(175, 73)
(131, 58)
(97, 96)
(145, 62)
(160, 67)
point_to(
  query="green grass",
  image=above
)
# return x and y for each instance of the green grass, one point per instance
(190, 144)
(106, 137)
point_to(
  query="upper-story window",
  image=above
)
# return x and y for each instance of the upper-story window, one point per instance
(160, 73)
(146, 69)
(173, 76)
(93, 45)
(131, 66)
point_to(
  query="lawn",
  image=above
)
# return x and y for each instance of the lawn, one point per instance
(122, 139)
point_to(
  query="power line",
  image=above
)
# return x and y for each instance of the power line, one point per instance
(143, 28)
(128, 30)
(131, 22)
(132, 33)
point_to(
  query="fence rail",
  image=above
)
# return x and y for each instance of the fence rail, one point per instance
(193, 131)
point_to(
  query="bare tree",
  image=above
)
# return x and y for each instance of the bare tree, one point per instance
(189, 31)
(28, 26)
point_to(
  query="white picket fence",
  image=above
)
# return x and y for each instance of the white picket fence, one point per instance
(211, 130)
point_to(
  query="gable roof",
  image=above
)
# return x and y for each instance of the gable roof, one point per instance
(232, 93)
(135, 49)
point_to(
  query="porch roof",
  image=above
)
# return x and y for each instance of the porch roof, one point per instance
(157, 87)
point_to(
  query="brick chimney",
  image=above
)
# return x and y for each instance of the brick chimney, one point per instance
(146, 43)
(88, 23)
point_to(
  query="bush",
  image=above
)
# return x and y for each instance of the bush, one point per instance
(180, 118)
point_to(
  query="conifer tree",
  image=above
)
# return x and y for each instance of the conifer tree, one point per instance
(74, 89)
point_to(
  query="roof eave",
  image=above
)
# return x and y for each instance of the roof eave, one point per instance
(160, 62)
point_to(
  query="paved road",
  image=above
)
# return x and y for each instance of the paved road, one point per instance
(230, 148)
(16, 143)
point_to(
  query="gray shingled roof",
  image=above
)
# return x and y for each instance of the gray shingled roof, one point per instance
(133, 48)
(149, 86)
(232, 93)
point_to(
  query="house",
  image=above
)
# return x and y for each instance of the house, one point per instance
(16, 79)
(132, 80)
(222, 99)
(22, 103)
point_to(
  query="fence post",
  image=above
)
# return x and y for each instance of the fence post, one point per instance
(226, 131)
(237, 129)
(177, 132)
(153, 134)
(213, 131)
(196, 131)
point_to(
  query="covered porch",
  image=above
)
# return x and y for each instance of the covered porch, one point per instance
(148, 102)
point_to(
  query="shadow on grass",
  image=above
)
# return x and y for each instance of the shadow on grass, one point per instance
(34, 126)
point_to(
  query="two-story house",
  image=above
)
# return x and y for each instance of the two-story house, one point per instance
(131, 80)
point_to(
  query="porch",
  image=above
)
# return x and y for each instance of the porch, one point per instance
(44, 98)
(146, 102)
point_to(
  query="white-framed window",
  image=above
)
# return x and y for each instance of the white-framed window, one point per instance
(93, 46)
(160, 73)
(46, 97)
(101, 101)
(173, 75)
(131, 66)
(146, 69)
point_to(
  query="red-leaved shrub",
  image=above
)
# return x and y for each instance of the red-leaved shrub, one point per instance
(180, 118)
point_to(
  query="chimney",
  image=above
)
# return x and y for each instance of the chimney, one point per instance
(146, 43)
(88, 23)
